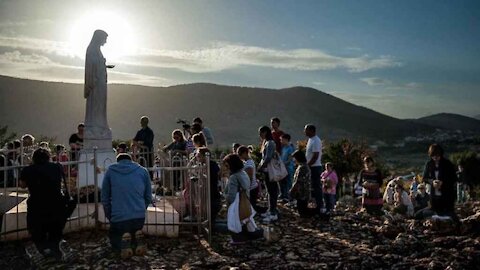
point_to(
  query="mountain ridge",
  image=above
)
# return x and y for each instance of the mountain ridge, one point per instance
(234, 113)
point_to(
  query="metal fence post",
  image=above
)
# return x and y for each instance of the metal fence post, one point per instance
(209, 203)
(95, 179)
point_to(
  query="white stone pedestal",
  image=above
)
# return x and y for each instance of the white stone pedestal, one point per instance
(105, 157)
(82, 218)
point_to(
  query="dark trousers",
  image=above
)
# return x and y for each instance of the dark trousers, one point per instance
(117, 229)
(254, 200)
(46, 230)
(146, 160)
(317, 192)
(302, 208)
(272, 189)
(215, 207)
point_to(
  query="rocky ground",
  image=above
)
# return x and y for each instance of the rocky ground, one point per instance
(348, 240)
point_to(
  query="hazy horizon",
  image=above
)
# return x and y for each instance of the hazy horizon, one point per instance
(404, 59)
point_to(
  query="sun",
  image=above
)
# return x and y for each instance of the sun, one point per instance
(120, 41)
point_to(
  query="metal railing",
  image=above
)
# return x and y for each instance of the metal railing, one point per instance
(181, 195)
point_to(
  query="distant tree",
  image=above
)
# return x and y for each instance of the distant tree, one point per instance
(6, 135)
(347, 157)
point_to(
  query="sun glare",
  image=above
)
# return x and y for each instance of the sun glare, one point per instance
(120, 41)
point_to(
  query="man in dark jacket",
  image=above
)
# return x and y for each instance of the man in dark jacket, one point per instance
(144, 142)
(440, 173)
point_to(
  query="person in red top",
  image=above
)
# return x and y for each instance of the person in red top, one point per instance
(276, 133)
(61, 156)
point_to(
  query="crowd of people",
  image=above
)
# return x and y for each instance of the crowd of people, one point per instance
(308, 185)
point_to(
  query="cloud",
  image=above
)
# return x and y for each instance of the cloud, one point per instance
(375, 81)
(318, 83)
(17, 57)
(219, 57)
(37, 67)
(39, 45)
(227, 56)
(412, 85)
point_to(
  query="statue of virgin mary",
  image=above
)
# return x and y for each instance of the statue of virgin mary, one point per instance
(95, 90)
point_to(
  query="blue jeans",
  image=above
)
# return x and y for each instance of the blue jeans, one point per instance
(286, 184)
(317, 192)
(330, 200)
(117, 229)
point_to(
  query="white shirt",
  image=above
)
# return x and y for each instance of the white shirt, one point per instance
(250, 164)
(314, 144)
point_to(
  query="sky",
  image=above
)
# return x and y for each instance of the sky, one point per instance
(406, 59)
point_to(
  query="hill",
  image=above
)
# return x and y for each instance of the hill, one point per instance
(451, 121)
(233, 113)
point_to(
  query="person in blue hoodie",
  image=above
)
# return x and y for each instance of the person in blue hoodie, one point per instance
(126, 193)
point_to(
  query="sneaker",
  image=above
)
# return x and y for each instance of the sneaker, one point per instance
(270, 218)
(68, 254)
(35, 256)
(126, 246)
(292, 204)
(141, 248)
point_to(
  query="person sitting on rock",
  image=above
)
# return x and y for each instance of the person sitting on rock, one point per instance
(403, 204)
(421, 199)
(388, 194)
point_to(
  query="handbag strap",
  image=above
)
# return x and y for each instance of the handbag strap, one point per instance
(328, 174)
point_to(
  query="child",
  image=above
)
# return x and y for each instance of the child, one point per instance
(287, 150)
(301, 186)
(403, 204)
(249, 167)
(421, 198)
(329, 180)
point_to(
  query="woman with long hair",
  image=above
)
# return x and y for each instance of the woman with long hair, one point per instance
(371, 180)
(268, 150)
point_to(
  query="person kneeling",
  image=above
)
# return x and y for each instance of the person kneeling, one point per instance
(402, 202)
(126, 194)
(243, 228)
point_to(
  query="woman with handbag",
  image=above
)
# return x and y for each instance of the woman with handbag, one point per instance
(239, 183)
(46, 208)
(268, 151)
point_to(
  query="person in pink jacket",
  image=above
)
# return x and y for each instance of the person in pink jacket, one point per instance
(329, 182)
